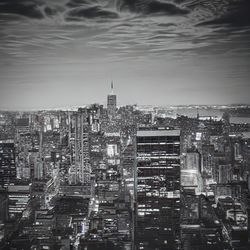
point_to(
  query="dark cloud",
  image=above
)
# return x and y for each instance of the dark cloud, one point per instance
(77, 3)
(210, 12)
(90, 12)
(151, 7)
(91, 9)
(49, 11)
(236, 14)
(26, 8)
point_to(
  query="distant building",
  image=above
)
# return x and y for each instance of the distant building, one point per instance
(38, 170)
(3, 205)
(239, 120)
(111, 101)
(191, 172)
(224, 173)
(207, 162)
(236, 216)
(22, 127)
(95, 113)
(157, 187)
(193, 161)
(82, 148)
(237, 152)
(7, 162)
(19, 198)
(36, 165)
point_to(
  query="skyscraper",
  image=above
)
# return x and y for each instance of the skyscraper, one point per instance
(3, 205)
(7, 162)
(111, 102)
(82, 165)
(157, 185)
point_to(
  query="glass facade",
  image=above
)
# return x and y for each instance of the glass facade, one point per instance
(158, 189)
(7, 162)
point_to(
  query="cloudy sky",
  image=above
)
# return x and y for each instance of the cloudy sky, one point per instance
(57, 53)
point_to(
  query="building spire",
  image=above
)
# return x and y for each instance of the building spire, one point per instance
(112, 87)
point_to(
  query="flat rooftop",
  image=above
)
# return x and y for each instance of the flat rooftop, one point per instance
(165, 132)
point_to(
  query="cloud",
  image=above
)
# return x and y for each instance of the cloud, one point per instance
(151, 7)
(50, 11)
(91, 9)
(91, 12)
(27, 8)
(77, 3)
(236, 14)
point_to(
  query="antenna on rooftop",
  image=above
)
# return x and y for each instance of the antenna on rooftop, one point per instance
(112, 87)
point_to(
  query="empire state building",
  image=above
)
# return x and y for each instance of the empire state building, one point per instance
(111, 101)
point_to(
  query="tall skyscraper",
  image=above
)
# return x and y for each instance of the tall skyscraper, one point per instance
(157, 189)
(82, 165)
(7, 162)
(111, 102)
(3, 205)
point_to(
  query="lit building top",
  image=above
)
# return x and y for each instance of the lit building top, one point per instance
(146, 133)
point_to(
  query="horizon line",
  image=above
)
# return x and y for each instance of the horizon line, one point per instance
(69, 108)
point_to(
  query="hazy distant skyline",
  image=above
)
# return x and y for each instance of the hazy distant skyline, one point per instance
(66, 52)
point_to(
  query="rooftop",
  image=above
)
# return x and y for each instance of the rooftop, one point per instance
(143, 133)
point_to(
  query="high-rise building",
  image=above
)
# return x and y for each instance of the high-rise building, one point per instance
(7, 162)
(207, 160)
(224, 173)
(82, 150)
(191, 172)
(157, 189)
(111, 102)
(19, 198)
(95, 113)
(237, 152)
(3, 205)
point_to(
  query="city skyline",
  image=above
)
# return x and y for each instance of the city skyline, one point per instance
(65, 53)
(125, 179)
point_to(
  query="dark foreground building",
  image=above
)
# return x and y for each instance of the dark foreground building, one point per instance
(157, 186)
(7, 162)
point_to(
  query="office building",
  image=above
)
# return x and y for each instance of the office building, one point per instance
(82, 150)
(7, 162)
(157, 189)
(19, 198)
(191, 172)
(3, 205)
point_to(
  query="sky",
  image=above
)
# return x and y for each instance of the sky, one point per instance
(62, 53)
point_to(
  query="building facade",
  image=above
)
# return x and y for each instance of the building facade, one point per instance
(7, 162)
(111, 102)
(157, 189)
